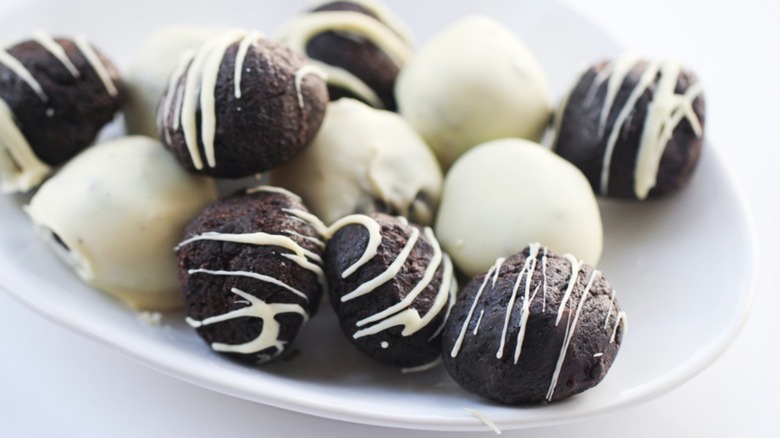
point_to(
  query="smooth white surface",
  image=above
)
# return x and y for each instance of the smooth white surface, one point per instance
(56, 382)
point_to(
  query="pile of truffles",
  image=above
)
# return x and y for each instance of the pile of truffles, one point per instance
(408, 186)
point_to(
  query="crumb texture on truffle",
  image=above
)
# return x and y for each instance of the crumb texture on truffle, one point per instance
(535, 327)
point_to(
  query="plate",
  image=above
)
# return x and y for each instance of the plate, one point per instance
(683, 266)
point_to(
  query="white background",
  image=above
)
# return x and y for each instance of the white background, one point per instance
(54, 382)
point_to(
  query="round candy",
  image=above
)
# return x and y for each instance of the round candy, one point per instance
(535, 327)
(634, 127)
(55, 96)
(360, 44)
(473, 82)
(251, 274)
(364, 160)
(391, 286)
(115, 212)
(503, 194)
(241, 105)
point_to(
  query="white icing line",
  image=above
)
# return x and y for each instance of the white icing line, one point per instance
(308, 69)
(493, 271)
(254, 275)
(389, 273)
(647, 78)
(576, 266)
(481, 417)
(20, 70)
(479, 321)
(243, 48)
(528, 268)
(424, 367)
(20, 168)
(619, 69)
(56, 50)
(571, 326)
(97, 65)
(621, 316)
(410, 318)
(268, 336)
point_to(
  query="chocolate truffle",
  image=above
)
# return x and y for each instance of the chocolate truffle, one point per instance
(250, 272)
(148, 73)
(364, 160)
(55, 96)
(241, 105)
(505, 193)
(633, 126)
(391, 286)
(361, 45)
(115, 212)
(473, 82)
(536, 327)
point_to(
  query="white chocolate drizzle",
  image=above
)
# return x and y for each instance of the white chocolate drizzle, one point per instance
(20, 168)
(56, 50)
(20, 70)
(302, 29)
(401, 313)
(664, 113)
(308, 69)
(524, 279)
(243, 48)
(257, 308)
(97, 65)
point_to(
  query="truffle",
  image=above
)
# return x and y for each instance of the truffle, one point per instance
(505, 193)
(241, 105)
(536, 327)
(633, 126)
(250, 269)
(361, 45)
(364, 160)
(391, 286)
(473, 82)
(55, 96)
(115, 212)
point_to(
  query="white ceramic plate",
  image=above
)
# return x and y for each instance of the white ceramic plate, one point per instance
(682, 266)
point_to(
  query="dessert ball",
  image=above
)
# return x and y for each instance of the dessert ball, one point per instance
(391, 286)
(241, 105)
(149, 72)
(505, 193)
(535, 327)
(473, 82)
(361, 45)
(251, 274)
(115, 212)
(633, 126)
(55, 96)
(364, 160)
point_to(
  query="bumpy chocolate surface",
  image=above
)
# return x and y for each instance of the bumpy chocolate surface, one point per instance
(60, 91)
(250, 273)
(536, 327)
(242, 105)
(391, 287)
(352, 38)
(634, 127)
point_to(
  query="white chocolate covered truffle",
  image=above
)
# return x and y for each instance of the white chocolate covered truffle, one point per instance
(149, 71)
(364, 160)
(504, 194)
(473, 82)
(115, 212)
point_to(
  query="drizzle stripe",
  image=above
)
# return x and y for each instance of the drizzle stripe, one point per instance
(20, 70)
(97, 65)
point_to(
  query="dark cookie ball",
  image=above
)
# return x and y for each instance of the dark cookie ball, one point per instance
(250, 273)
(634, 127)
(55, 96)
(536, 327)
(360, 44)
(391, 286)
(241, 105)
